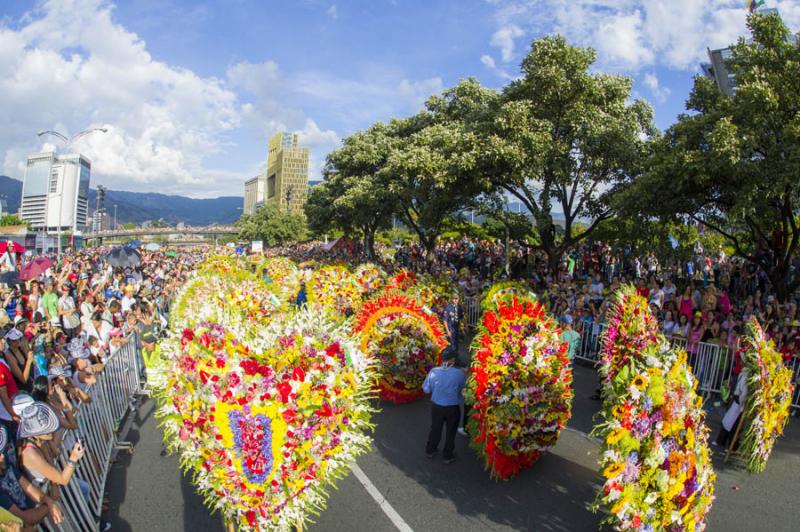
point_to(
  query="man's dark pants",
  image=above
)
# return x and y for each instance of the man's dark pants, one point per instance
(448, 416)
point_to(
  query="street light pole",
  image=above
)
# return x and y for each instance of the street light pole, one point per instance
(115, 217)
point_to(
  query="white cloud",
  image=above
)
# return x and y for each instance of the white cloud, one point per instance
(632, 34)
(504, 39)
(488, 61)
(333, 12)
(70, 67)
(321, 142)
(651, 82)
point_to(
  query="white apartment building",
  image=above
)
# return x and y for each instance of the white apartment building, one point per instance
(55, 192)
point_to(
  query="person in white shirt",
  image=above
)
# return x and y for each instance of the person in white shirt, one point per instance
(128, 299)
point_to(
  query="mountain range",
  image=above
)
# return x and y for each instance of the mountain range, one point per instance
(138, 207)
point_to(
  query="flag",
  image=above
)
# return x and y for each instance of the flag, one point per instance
(752, 5)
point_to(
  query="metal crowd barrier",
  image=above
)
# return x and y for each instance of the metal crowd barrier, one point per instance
(712, 364)
(99, 422)
(472, 312)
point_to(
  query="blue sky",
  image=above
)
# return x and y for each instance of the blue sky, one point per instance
(191, 90)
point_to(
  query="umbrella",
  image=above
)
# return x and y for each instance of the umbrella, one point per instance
(124, 257)
(35, 268)
(15, 247)
(10, 278)
(171, 254)
(152, 246)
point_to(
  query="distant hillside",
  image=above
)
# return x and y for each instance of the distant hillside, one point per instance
(138, 207)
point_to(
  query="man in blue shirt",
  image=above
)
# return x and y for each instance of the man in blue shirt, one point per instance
(302, 297)
(445, 384)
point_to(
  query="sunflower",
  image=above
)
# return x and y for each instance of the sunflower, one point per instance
(615, 436)
(614, 470)
(640, 381)
(618, 411)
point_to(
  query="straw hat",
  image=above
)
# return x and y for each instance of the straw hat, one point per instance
(38, 419)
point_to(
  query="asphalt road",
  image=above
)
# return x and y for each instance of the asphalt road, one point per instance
(148, 492)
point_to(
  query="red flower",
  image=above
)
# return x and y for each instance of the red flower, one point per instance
(325, 411)
(298, 374)
(284, 388)
(205, 340)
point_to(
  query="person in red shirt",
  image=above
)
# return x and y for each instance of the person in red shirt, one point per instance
(8, 389)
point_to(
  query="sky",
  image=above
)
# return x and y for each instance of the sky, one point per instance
(189, 91)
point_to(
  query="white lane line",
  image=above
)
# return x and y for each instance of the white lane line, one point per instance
(390, 512)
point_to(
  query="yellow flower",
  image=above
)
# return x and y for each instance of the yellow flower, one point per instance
(618, 411)
(614, 470)
(615, 436)
(640, 381)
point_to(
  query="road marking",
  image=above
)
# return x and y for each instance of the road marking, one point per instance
(390, 512)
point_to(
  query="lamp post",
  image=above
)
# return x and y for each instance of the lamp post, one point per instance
(115, 217)
(67, 141)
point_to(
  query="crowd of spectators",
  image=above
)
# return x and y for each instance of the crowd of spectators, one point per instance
(57, 331)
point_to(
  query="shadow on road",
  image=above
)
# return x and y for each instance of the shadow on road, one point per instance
(551, 496)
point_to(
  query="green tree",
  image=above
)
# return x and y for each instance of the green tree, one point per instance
(563, 138)
(273, 226)
(352, 197)
(732, 162)
(11, 219)
(431, 169)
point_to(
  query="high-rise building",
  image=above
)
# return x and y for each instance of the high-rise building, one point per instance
(254, 194)
(287, 172)
(55, 192)
(717, 70)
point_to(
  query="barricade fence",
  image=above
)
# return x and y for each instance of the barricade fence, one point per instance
(99, 422)
(712, 363)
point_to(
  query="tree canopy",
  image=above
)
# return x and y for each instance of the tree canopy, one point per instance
(731, 163)
(273, 226)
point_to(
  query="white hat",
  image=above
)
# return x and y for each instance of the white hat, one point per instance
(77, 349)
(38, 419)
(13, 334)
(21, 402)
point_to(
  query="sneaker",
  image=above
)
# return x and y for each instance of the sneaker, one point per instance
(462, 432)
(105, 526)
(451, 459)
(430, 455)
(715, 444)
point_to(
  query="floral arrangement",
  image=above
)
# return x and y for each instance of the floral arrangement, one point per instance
(279, 269)
(520, 387)
(506, 291)
(405, 342)
(769, 397)
(434, 291)
(402, 281)
(370, 277)
(266, 426)
(334, 290)
(654, 456)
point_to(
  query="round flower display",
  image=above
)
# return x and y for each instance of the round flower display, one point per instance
(769, 397)
(506, 291)
(654, 457)
(520, 387)
(405, 342)
(334, 290)
(266, 426)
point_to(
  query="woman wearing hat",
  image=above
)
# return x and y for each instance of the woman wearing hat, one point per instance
(37, 429)
(16, 492)
(20, 361)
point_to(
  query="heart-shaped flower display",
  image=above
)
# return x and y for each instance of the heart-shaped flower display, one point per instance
(405, 341)
(266, 423)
